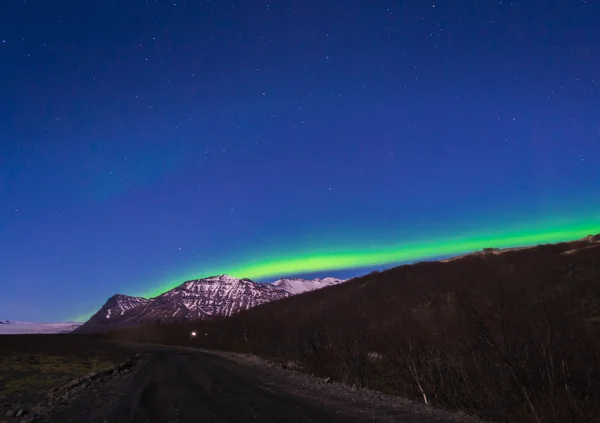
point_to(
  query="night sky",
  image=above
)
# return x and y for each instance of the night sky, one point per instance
(146, 142)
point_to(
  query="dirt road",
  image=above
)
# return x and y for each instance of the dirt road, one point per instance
(173, 385)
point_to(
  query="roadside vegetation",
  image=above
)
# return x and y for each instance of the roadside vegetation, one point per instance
(30, 364)
(510, 337)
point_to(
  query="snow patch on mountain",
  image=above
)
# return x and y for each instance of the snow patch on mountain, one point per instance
(20, 328)
(298, 285)
(118, 304)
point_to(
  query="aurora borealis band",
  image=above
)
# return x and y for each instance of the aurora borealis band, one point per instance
(143, 144)
(319, 262)
(328, 261)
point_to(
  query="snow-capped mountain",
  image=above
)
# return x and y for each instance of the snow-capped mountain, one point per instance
(296, 285)
(221, 295)
(112, 311)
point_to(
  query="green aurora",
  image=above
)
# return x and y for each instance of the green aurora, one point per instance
(273, 265)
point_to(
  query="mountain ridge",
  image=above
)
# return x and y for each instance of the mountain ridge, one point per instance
(204, 298)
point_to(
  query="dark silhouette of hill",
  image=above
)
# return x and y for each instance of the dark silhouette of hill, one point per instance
(507, 335)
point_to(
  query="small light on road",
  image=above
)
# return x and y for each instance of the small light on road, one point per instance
(193, 333)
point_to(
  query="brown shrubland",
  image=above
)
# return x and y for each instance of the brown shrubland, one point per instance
(510, 337)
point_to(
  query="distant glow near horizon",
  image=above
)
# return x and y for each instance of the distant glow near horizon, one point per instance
(318, 261)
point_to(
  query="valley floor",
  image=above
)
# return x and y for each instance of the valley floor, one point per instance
(32, 364)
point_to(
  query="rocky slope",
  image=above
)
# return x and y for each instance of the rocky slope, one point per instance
(112, 311)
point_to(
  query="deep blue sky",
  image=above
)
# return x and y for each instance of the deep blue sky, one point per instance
(139, 139)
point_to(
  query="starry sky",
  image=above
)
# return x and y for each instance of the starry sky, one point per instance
(146, 142)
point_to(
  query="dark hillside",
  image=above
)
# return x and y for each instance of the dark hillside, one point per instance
(509, 336)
